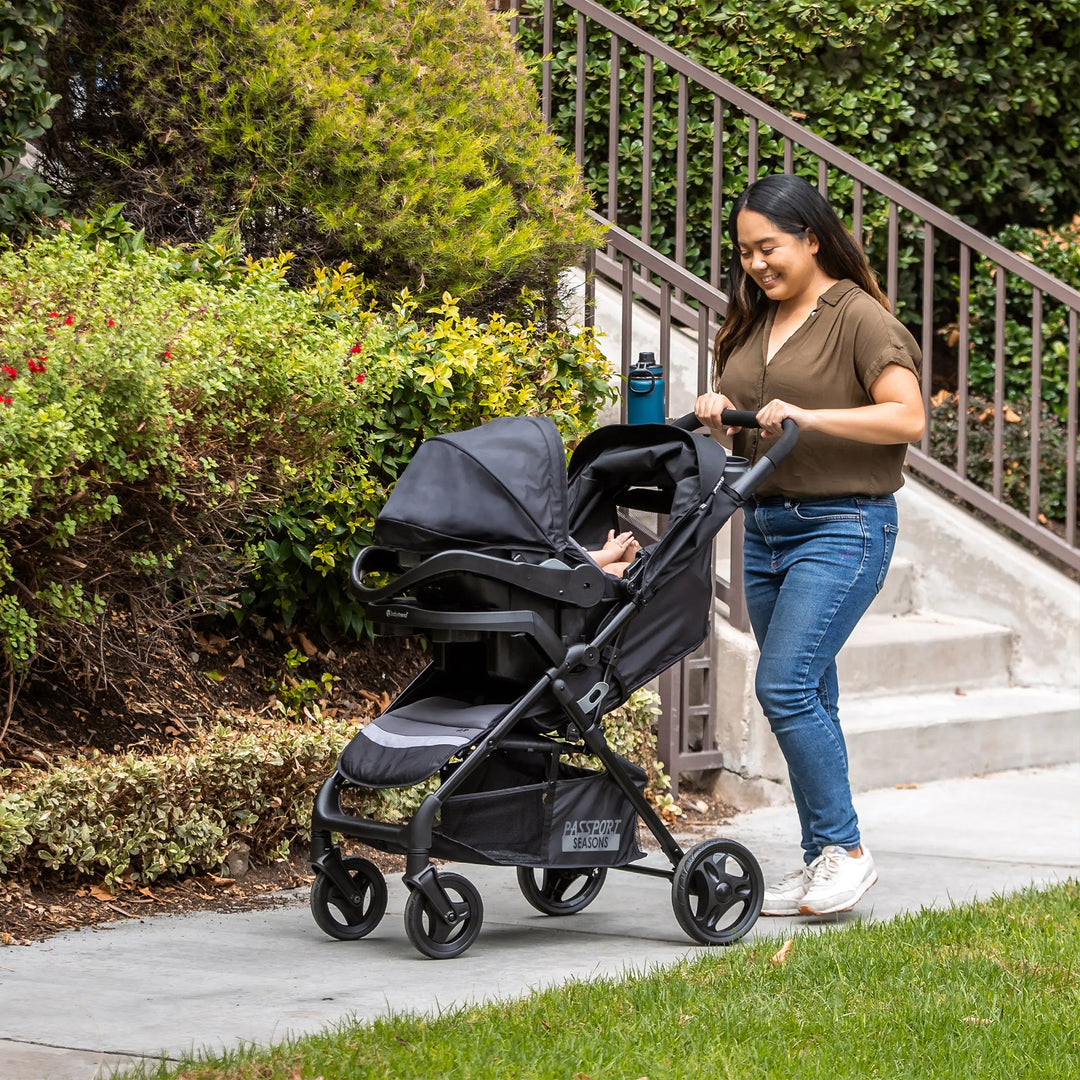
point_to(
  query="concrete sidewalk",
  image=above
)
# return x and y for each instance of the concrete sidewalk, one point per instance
(84, 1003)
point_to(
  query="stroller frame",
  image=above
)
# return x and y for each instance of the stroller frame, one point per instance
(717, 886)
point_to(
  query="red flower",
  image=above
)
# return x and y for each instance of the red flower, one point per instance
(356, 348)
(70, 320)
(5, 400)
(110, 323)
(54, 314)
(361, 377)
(10, 372)
(36, 366)
(167, 355)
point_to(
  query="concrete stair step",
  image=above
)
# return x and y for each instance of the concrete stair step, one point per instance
(907, 654)
(916, 738)
(898, 595)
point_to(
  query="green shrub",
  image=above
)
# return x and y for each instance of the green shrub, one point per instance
(171, 420)
(1052, 467)
(972, 104)
(1057, 251)
(454, 373)
(399, 134)
(167, 412)
(25, 29)
(126, 816)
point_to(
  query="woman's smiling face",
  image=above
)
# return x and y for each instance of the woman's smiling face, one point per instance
(780, 263)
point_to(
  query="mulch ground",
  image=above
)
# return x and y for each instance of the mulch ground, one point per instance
(151, 707)
(29, 914)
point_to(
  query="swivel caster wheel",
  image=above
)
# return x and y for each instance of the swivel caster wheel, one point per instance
(350, 918)
(435, 936)
(717, 892)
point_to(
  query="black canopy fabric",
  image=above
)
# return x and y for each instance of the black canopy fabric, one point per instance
(505, 485)
(664, 470)
(500, 485)
(657, 468)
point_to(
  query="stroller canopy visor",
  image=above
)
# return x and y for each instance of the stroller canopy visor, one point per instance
(501, 485)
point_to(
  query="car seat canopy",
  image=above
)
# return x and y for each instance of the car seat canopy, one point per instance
(495, 487)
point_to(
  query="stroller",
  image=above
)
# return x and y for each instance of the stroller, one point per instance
(480, 548)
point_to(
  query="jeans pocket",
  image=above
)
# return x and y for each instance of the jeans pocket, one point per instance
(890, 532)
(842, 510)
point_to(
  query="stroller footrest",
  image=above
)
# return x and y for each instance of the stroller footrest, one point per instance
(411, 743)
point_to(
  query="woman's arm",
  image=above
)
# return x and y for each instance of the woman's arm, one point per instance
(896, 416)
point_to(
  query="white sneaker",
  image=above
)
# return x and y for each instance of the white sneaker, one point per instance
(786, 895)
(839, 881)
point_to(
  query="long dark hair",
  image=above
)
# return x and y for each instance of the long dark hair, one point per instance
(794, 206)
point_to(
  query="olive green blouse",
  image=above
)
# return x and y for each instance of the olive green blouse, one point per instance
(830, 362)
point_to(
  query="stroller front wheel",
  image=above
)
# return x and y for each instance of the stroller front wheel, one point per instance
(350, 918)
(435, 936)
(561, 891)
(717, 892)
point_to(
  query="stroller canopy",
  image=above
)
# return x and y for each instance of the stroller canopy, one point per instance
(501, 485)
(657, 468)
(504, 486)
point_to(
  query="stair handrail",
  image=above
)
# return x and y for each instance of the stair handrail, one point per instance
(1063, 548)
(753, 106)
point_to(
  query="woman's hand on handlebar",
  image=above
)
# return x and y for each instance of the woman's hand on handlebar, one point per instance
(772, 415)
(708, 408)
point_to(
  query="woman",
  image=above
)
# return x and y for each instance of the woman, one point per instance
(808, 336)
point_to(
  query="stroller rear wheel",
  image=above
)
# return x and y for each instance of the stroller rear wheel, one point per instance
(344, 917)
(562, 891)
(717, 892)
(433, 935)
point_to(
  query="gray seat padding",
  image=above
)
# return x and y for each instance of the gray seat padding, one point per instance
(410, 743)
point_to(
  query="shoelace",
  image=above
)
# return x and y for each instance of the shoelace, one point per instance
(830, 863)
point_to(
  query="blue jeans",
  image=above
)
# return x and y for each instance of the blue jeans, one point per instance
(811, 569)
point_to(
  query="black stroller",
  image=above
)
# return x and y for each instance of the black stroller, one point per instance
(481, 550)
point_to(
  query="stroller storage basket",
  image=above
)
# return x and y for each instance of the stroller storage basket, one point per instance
(522, 816)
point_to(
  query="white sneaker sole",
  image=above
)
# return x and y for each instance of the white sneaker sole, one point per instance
(775, 913)
(845, 905)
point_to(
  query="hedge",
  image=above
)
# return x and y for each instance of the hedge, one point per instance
(401, 135)
(183, 430)
(971, 104)
(1057, 251)
(127, 816)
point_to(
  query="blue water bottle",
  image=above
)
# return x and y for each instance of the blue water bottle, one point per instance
(645, 391)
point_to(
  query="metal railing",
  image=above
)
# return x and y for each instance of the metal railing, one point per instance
(928, 260)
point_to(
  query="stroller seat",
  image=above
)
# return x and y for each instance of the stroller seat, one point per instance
(409, 743)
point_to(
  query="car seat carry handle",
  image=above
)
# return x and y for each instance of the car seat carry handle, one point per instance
(581, 585)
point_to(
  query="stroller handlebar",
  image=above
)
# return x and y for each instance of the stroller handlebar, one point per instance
(764, 466)
(729, 417)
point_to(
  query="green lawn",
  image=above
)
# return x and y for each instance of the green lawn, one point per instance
(980, 991)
